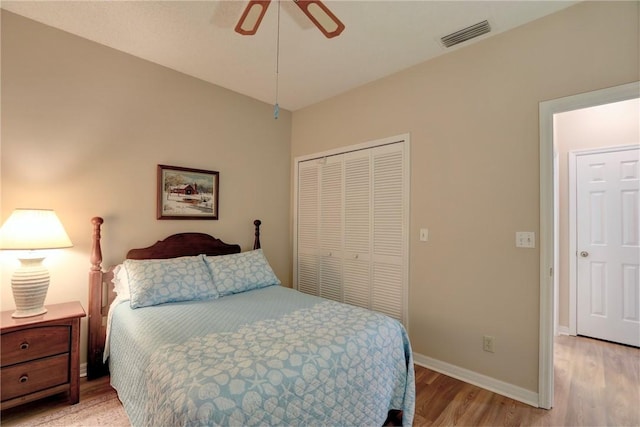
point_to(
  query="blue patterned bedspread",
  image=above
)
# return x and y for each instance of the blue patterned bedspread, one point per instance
(272, 356)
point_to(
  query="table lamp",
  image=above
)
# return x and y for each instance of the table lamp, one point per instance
(31, 230)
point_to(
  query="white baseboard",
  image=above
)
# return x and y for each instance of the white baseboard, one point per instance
(83, 370)
(505, 389)
(563, 330)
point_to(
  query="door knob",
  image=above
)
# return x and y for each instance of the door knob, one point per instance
(584, 254)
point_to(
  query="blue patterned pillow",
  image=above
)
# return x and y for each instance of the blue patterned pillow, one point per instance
(156, 281)
(241, 272)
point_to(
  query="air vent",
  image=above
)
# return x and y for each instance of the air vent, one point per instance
(466, 34)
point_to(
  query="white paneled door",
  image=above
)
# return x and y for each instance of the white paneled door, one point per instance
(608, 255)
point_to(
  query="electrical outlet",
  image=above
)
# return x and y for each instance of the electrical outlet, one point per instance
(488, 343)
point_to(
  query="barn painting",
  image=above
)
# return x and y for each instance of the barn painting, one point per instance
(184, 189)
(186, 193)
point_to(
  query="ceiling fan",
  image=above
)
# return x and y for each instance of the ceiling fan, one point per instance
(315, 10)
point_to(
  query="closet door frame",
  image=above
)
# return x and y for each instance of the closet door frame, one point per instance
(403, 139)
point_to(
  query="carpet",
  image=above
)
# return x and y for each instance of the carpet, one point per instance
(104, 410)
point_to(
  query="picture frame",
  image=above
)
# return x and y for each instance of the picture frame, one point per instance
(187, 193)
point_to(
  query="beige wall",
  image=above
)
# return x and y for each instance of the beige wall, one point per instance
(602, 126)
(83, 129)
(473, 119)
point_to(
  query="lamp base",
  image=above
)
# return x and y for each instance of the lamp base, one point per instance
(30, 283)
(20, 314)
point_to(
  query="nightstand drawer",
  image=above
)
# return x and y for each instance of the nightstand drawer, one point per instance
(33, 343)
(25, 378)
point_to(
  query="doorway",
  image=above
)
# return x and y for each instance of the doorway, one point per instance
(548, 233)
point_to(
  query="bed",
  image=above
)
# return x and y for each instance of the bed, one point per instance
(200, 333)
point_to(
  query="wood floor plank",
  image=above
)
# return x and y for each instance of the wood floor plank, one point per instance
(563, 370)
(435, 397)
(587, 386)
(479, 409)
(621, 373)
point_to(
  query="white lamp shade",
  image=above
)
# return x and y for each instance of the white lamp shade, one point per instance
(30, 229)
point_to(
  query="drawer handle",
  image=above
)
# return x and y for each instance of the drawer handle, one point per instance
(24, 346)
(24, 378)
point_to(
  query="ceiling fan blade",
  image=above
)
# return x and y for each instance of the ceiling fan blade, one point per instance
(252, 16)
(321, 16)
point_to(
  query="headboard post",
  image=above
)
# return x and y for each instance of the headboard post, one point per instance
(256, 241)
(96, 250)
(95, 367)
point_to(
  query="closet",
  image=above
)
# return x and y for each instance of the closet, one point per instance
(351, 224)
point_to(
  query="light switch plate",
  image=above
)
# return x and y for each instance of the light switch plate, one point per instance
(424, 234)
(525, 239)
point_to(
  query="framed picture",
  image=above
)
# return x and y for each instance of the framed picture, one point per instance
(185, 193)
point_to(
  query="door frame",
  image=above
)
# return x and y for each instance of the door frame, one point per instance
(573, 232)
(548, 177)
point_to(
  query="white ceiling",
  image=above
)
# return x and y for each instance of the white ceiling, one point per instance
(197, 38)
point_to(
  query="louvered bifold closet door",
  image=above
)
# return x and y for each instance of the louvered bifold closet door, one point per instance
(331, 228)
(308, 259)
(357, 229)
(388, 231)
(352, 219)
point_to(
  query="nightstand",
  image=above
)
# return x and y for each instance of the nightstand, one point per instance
(40, 355)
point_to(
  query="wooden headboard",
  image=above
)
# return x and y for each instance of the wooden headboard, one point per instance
(101, 293)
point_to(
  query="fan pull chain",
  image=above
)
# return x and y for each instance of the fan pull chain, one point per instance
(276, 107)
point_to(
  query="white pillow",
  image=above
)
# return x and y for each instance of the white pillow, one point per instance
(121, 282)
(241, 272)
(156, 281)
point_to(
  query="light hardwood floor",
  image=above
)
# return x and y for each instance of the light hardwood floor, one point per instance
(596, 384)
